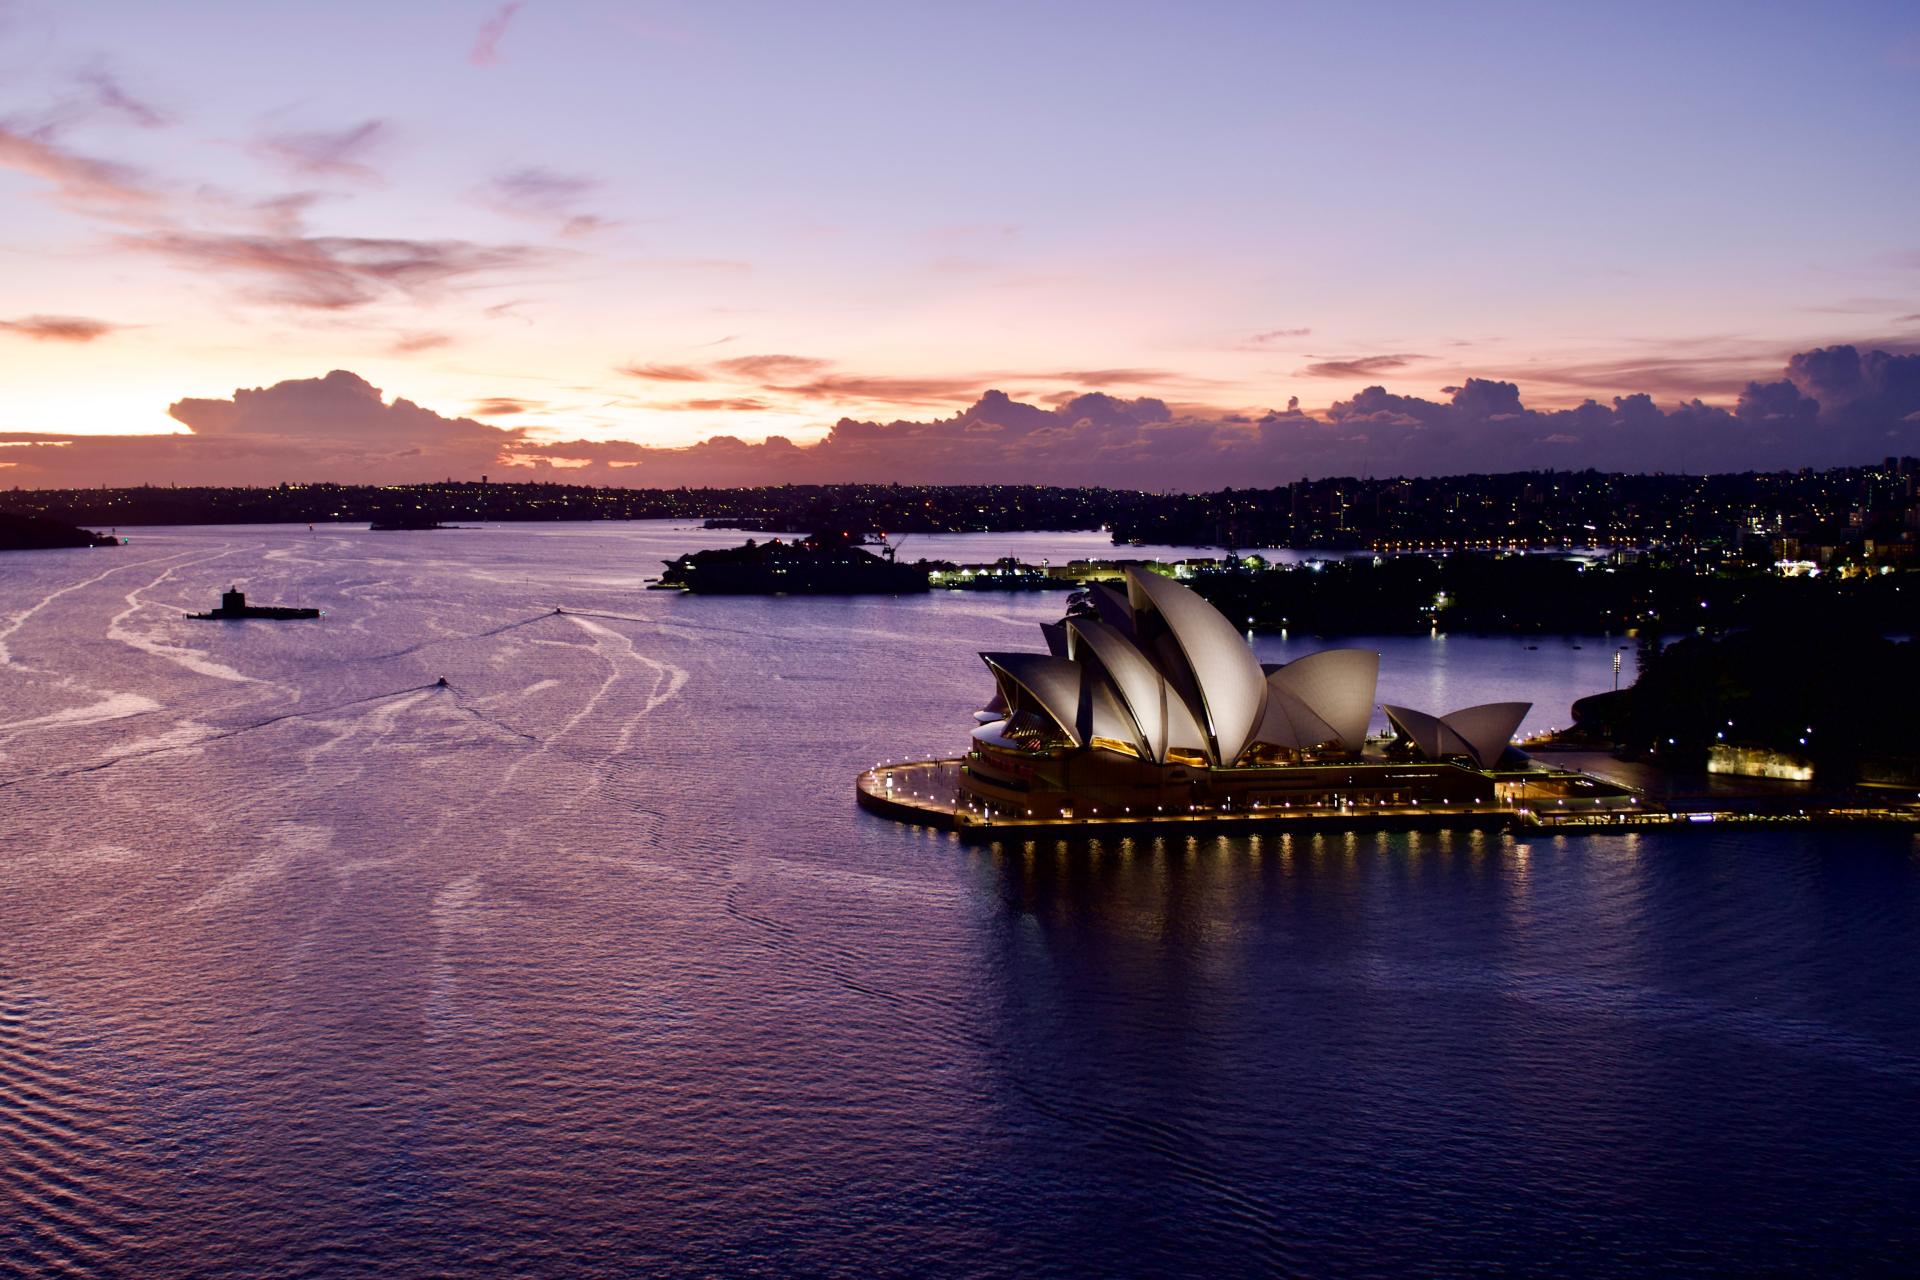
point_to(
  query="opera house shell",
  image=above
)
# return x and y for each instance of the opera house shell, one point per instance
(1481, 734)
(1152, 683)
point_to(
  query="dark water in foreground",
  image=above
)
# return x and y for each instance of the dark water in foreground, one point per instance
(588, 965)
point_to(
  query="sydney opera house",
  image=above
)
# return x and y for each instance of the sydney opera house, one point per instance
(1149, 701)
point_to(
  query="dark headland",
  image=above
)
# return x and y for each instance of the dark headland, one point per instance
(824, 564)
(42, 533)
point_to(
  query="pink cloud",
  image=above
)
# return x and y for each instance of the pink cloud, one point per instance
(341, 153)
(543, 195)
(111, 96)
(504, 406)
(663, 372)
(1359, 366)
(486, 42)
(334, 272)
(59, 328)
(413, 343)
(772, 366)
(76, 179)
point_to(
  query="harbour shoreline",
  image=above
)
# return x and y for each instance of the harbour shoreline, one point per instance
(911, 792)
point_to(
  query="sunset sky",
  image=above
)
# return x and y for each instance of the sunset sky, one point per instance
(609, 222)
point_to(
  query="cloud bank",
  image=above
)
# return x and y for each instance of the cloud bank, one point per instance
(1832, 406)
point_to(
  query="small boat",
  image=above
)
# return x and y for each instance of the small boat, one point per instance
(233, 606)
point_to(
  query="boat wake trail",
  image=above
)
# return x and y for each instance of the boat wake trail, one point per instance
(484, 718)
(194, 660)
(218, 735)
(18, 620)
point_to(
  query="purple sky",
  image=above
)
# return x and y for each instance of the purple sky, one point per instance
(584, 236)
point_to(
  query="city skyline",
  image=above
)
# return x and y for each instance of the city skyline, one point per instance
(568, 235)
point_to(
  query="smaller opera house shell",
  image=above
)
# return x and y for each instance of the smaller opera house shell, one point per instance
(1149, 697)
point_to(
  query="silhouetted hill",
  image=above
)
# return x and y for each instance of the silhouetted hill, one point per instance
(41, 533)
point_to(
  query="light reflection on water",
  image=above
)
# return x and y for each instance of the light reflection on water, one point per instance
(587, 963)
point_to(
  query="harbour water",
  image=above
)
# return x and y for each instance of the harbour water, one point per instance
(586, 963)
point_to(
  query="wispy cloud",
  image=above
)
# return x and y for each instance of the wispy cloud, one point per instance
(1359, 366)
(79, 180)
(413, 343)
(1092, 377)
(335, 272)
(1705, 371)
(59, 328)
(772, 367)
(504, 406)
(887, 390)
(725, 404)
(809, 378)
(110, 95)
(486, 42)
(1276, 335)
(545, 196)
(663, 372)
(340, 153)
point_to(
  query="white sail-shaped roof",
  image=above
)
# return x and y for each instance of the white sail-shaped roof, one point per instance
(1226, 678)
(1084, 706)
(1044, 683)
(1480, 733)
(1488, 728)
(1159, 672)
(1337, 686)
(1112, 607)
(1289, 722)
(1424, 731)
(1142, 690)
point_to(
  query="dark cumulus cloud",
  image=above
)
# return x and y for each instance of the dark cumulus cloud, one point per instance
(338, 427)
(331, 273)
(1829, 406)
(58, 328)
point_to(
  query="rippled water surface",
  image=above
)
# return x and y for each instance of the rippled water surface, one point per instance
(587, 964)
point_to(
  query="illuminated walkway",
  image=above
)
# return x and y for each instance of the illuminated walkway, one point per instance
(927, 793)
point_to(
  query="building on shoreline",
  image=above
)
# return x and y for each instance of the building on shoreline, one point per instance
(1149, 702)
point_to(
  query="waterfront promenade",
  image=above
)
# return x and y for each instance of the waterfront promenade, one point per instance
(927, 793)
